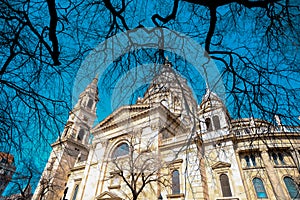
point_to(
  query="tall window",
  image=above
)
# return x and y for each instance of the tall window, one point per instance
(259, 188)
(275, 158)
(278, 158)
(121, 150)
(225, 186)
(90, 104)
(175, 182)
(208, 124)
(250, 160)
(216, 121)
(292, 188)
(281, 158)
(80, 134)
(75, 192)
(252, 157)
(247, 161)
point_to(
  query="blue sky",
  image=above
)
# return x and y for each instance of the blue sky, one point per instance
(275, 73)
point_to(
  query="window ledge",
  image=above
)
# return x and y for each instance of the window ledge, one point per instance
(113, 159)
(175, 162)
(112, 187)
(171, 196)
(250, 168)
(284, 166)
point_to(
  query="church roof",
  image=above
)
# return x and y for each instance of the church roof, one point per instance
(172, 90)
(211, 101)
(167, 80)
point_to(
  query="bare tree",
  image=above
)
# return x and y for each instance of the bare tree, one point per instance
(139, 170)
(254, 43)
(20, 185)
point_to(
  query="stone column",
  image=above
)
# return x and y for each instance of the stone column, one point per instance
(237, 155)
(203, 178)
(273, 177)
(296, 156)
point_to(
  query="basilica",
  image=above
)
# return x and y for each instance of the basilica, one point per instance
(167, 146)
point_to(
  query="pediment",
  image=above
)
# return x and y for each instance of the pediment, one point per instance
(121, 114)
(220, 164)
(128, 114)
(107, 196)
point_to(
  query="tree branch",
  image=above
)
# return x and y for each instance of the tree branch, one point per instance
(52, 31)
(167, 18)
(211, 30)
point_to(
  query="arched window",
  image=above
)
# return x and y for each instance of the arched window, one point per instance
(225, 186)
(292, 188)
(259, 188)
(216, 121)
(175, 182)
(121, 150)
(90, 104)
(80, 134)
(75, 192)
(208, 124)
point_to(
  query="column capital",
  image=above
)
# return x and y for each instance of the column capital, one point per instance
(263, 150)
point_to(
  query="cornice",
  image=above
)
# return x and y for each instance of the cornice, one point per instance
(69, 140)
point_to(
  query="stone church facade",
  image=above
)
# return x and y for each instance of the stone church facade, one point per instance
(167, 147)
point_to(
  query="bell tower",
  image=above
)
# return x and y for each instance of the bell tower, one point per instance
(70, 147)
(214, 116)
(83, 115)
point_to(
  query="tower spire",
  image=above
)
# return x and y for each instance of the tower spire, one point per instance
(83, 115)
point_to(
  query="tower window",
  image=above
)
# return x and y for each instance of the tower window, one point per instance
(216, 121)
(80, 134)
(208, 124)
(121, 150)
(225, 186)
(292, 188)
(90, 104)
(259, 188)
(175, 182)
